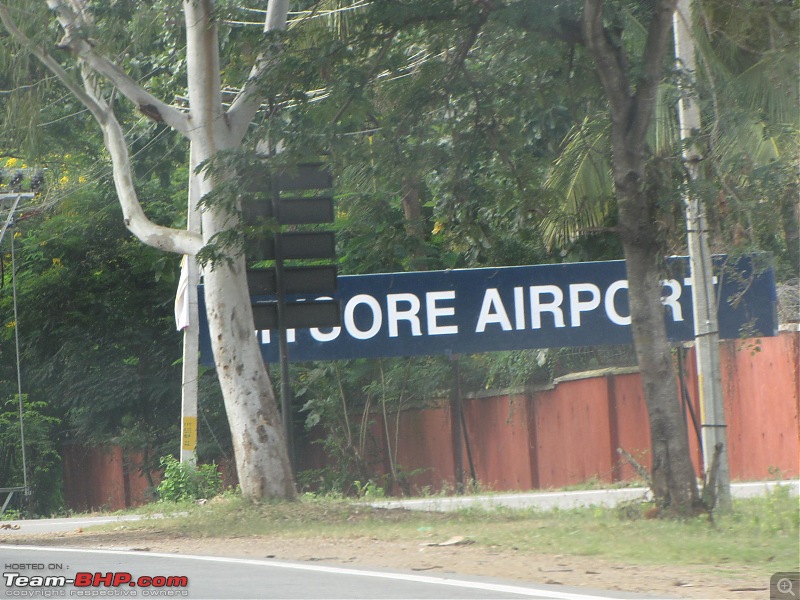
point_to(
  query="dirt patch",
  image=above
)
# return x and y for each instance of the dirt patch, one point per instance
(458, 557)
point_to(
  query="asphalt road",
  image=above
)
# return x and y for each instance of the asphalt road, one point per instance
(146, 574)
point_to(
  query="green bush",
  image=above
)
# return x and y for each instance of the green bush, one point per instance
(183, 482)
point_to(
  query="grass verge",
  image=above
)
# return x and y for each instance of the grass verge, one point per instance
(760, 533)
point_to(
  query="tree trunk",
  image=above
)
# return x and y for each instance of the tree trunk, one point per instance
(672, 474)
(631, 112)
(262, 460)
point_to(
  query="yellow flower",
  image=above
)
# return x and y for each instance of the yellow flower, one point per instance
(437, 228)
(10, 162)
(11, 324)
(82, 179)
(57, 262)
(64, 180)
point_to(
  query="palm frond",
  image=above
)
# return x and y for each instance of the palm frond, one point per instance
(581, 178)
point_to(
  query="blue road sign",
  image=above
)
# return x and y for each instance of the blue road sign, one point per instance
(466, 311)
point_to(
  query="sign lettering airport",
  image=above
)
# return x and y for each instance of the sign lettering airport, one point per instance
(465, 311)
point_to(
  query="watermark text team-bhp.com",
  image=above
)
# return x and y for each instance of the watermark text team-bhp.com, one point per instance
(28, 580)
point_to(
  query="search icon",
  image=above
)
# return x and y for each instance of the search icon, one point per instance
(785, 586)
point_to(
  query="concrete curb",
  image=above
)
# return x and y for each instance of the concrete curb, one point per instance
(563, 500)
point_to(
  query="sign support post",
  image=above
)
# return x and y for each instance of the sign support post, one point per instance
(283, 281)
(456, 424)
(283, 342)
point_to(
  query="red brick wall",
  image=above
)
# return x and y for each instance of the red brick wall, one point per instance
(103, 478)
(762, 405)
(568, 434)
(499, 442)
(549, 438)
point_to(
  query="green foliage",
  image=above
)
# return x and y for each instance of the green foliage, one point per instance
(182, 482)
(343, 404)
(750, 116)
(368, 489)
(510, 370)
(42, 457)
(773, 514)
(96, 324)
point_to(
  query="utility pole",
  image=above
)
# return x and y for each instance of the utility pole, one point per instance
(190, 366)
(706, 324)
(191, 369)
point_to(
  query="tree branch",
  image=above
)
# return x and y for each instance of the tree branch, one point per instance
(180, 241)
(248, 101)
(48, 61)
(175, 240)
(73, 18)
(633, 108)
(609, 60)
(375, 66)
(148, 105)
(469, 41)
(658, 37)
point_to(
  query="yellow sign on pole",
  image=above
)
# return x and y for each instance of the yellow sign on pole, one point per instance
(189, 441)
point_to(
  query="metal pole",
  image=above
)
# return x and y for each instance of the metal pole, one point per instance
(19, 368)
(456, 425)
(17, 196)
(706, 325)
(283, 343)
(286, 386)
(191, 369)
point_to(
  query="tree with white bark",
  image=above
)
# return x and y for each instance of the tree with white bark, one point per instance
(209, 126)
